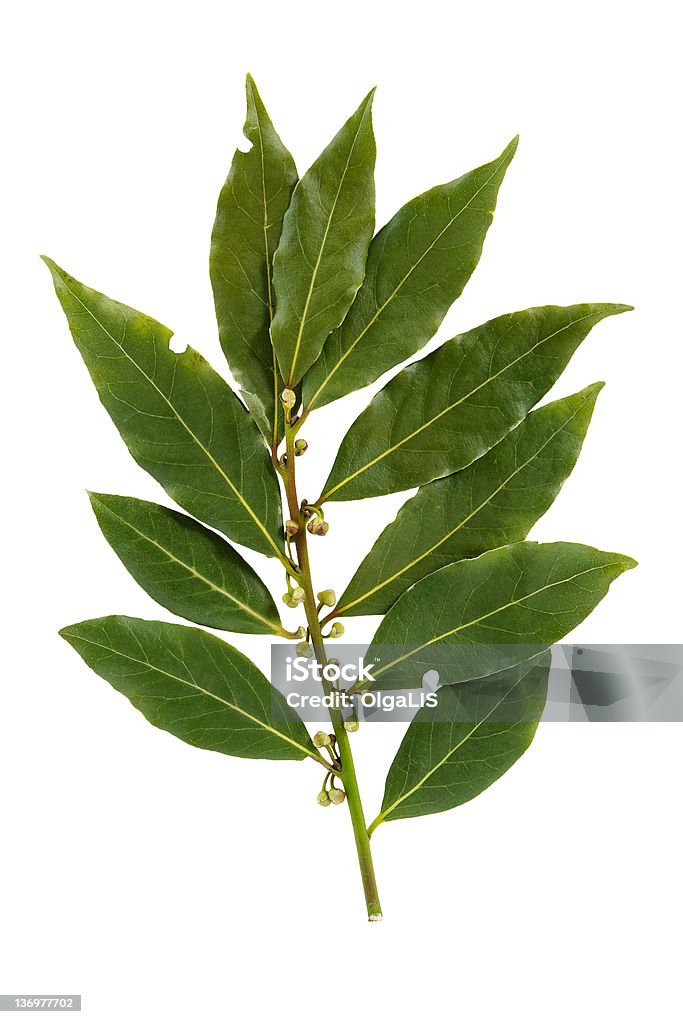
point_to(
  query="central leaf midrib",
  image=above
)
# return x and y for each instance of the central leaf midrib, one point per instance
(463, 522)
(273, 366)
(449, 408)
(383, 815)
(323, 243)
(398, 287)
(193, 570)
(173, 409)
(193, 686)
(488, 615)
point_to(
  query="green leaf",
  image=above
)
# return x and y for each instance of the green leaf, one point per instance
(441, 413)
(193, 685)
(251, 208)
(453, 752)
(485, 615)
(185, 567)
(493, 502)
(418, 265)
(320, 261)
(180, 420)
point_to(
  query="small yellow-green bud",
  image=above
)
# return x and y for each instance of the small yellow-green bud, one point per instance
(323, 798)
(336, 630)
(318, 527)
(288, 398)
(321, 739)
(352, 725)
(300, 446)
(287, 599)
(337, 796)
(300, 633)
(298, 595)
(327, 597)
(291, 528)
(304, 650)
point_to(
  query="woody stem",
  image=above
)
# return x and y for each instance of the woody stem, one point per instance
(348, 770)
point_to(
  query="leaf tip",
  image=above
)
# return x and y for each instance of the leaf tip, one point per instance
(367, 101)
(502, 162)
(622, 564)
(604, 309)
(250, 88)
(256, 111)
(59, 276)
(95, 497)
(49, 263)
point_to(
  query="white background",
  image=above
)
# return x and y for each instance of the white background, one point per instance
(170, 884)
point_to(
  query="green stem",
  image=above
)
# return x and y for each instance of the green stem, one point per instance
(348, 770)
(360, 831)
(378, 821)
